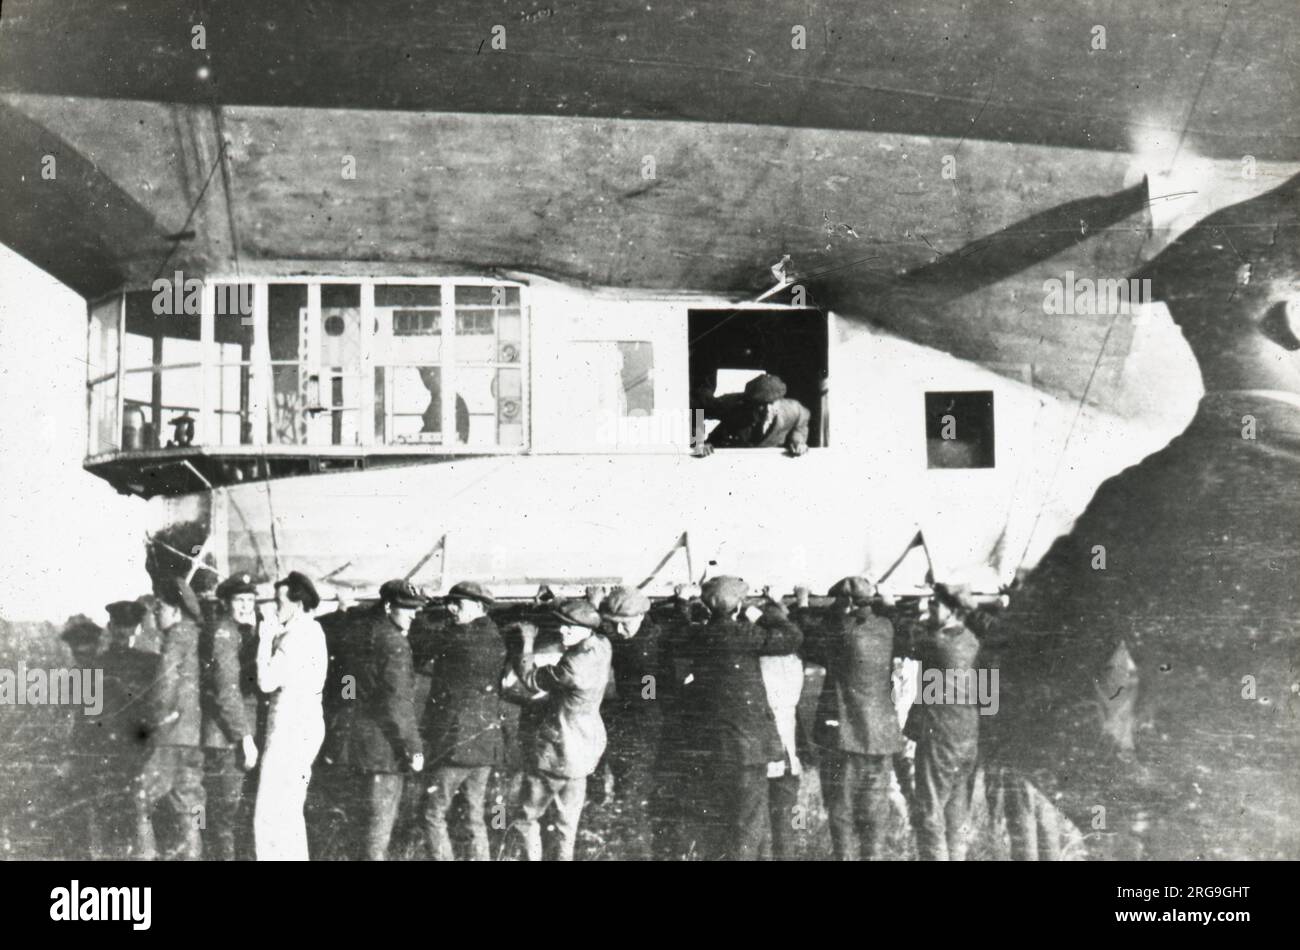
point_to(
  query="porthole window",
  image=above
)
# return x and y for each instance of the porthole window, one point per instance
(959, 429)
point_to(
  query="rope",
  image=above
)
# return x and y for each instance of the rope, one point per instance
(1060, 459)
(178, 237)
(275, 544)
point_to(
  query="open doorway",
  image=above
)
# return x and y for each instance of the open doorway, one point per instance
(729, 347)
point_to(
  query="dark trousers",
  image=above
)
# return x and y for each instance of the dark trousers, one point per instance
(172, 775)
(680, 809)
(223, 785)
(785, 820)
(942, 803)
(743, 822)
(1033, 825)
(381, 798)
(634, 739)
(444, 782)
(856, 788)
(632, 757)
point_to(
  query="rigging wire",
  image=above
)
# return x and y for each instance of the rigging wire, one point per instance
(1191, 111)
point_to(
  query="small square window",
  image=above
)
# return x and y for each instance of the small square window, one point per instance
(415, 323)
(475, 322)
(959, 429)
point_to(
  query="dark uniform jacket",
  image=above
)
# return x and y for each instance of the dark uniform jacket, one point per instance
(681, 733)
(642, 676)
(128, 678)
(949, 730)
(856, 710)
(678, 623)
(177, 713)
(346, 633)
(376, 732)
(229, 705)
(740, 728)
(463, 714)
(570, 735)
(738, 427)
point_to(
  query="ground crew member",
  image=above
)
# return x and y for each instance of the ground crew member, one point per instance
(333, 790)
(462, 718)
(174, 769)
(634, 715)
(783, 685)
(87, 747)
(378, 738)
(856, 729)
(946, 734)
(741, 734)
(761, 418)
(129, 674)
(229, 698)
(571, 737)
(292, 660)
(677, 806)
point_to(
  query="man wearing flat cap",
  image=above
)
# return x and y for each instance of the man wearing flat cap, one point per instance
(946, 733)
(762, 418)
(571, 738)
(376, 731)
(742, 734)
(463, 718)
(856, 727)
(228, 666)
(634, 715)
(174, 769)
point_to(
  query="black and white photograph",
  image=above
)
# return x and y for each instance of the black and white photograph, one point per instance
(651, 431)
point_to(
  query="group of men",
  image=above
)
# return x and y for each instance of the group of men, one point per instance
(688, 711)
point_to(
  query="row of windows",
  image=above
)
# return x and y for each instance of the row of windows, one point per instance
(428, 322)
(291, 363)
(297, 367)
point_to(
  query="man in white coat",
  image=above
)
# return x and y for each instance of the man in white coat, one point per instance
(291, 668)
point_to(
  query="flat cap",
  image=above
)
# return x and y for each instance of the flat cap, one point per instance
(80, 629)
(401, 593)
(955, 596)
(578, 613)
(301, 589)
(625, 602)
(723, 594)
(857, 589)
(765, 388)
(471, 590)
(176, 592)
(126, 613)
(236, 584)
